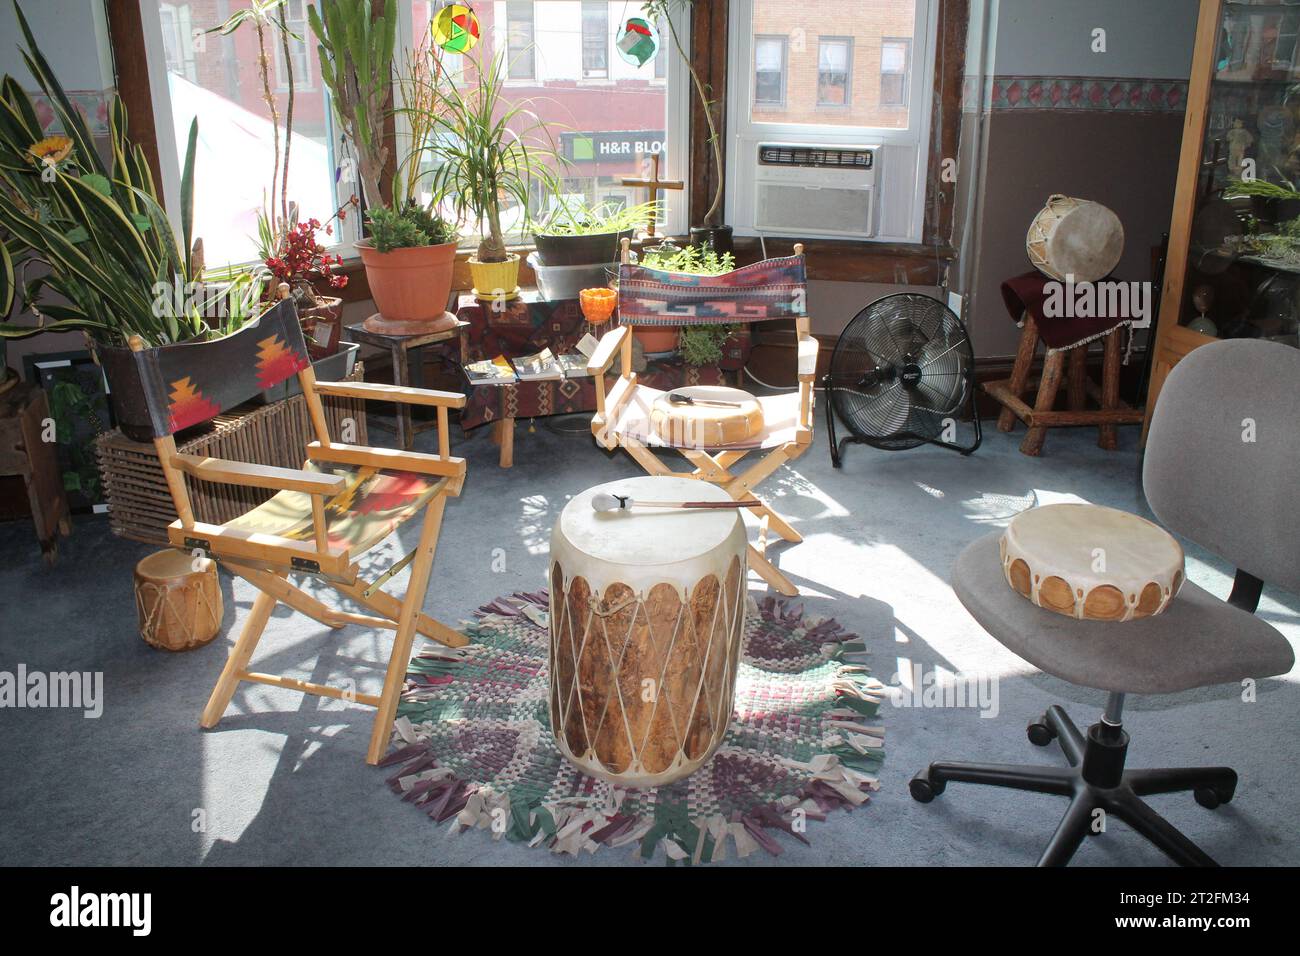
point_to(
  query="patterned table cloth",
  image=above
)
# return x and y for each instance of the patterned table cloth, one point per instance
(529, 324)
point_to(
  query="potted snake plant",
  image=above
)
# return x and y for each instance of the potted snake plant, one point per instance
(109, 264)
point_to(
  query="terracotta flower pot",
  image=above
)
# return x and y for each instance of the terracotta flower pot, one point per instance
(655, 338)
(409, 285)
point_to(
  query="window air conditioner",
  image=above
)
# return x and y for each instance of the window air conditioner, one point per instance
(812, 190)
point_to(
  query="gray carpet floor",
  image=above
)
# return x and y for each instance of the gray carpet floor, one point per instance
(282, 780)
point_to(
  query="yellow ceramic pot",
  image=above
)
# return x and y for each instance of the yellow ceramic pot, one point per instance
(495, 280)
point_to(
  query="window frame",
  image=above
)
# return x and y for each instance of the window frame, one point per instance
(511, 58)
(604, 39)
(907, 66)
(785, 68)
(848, 72)
(304, 31)
(179, 36)
(744, 132)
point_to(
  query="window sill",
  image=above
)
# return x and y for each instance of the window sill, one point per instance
(829, 260)
(848, 260)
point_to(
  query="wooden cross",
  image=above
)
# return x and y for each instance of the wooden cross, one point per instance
(654, 184)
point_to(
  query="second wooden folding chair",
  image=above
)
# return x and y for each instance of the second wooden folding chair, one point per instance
(772, 289)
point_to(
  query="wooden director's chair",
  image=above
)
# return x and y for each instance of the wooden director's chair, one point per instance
(772, 289)
(344, 501)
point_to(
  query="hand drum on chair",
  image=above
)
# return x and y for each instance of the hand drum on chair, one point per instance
(1091, 563)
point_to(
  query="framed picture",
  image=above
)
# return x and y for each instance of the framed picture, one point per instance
(78, 396)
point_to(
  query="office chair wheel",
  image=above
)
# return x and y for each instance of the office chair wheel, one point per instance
(1210, 797)
(923, 789)
(1040, 732)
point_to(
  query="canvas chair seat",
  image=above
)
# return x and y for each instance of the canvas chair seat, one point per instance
(375, 503)
(780, 422)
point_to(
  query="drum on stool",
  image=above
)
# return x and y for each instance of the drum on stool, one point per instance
(647, 619)
(1075, 237)
(178, 598)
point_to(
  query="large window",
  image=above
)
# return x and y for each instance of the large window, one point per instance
(894, 57)
(605, 117)
(520, 51)
(845, 73)
(834, 71)
(769, 71)
(596, 135)
(196, 73)
(595, 39)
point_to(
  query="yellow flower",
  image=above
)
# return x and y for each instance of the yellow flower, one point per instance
(51, 150)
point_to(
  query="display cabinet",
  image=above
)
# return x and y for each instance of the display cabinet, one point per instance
(1233, 268)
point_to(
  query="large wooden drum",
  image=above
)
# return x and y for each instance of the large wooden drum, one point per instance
(647, 617)
(178, 599)
(1091, 563)
(1075, 237)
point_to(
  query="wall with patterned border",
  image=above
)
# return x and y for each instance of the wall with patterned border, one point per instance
(1075, 94)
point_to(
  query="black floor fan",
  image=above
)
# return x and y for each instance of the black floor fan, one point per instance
(900, 376)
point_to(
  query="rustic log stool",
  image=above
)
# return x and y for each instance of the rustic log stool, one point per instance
(1061, 338)
(178, 598)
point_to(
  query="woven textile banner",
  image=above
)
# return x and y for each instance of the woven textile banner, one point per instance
(771, 289)
(189, 383)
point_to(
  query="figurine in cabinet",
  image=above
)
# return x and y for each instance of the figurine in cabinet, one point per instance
(1239, 140)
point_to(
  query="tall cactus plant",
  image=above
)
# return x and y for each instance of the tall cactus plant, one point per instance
(356, 61)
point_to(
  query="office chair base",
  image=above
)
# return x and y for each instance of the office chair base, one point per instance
(1096, 784)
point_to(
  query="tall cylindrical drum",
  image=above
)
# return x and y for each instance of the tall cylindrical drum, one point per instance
(646, 624)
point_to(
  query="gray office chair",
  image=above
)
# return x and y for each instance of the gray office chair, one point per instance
(1205, 481)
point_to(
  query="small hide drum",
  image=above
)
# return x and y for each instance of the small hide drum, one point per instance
(1091, 563)
(1075, 237)
(647, 618)
(738, 419)
(178, 598)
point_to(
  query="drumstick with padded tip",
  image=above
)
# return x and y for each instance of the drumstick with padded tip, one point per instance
(608, 502)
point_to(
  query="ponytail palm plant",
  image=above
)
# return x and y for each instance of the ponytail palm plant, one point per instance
(490, 152)
(94, 224)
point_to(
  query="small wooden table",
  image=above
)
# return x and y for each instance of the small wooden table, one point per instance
(399, 347)
(24, 414)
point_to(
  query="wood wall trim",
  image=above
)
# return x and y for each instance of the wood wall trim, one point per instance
(1195, 120)
(709, 33)
(850, 261)
(945, 123)
(131, 67)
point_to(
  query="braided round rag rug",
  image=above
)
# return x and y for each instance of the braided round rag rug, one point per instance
(473, 745)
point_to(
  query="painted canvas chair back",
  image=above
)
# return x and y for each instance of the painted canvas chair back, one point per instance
(771, 289)
(191, 382)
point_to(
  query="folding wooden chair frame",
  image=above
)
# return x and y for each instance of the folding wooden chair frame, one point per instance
(266, 560)
(716, 466)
